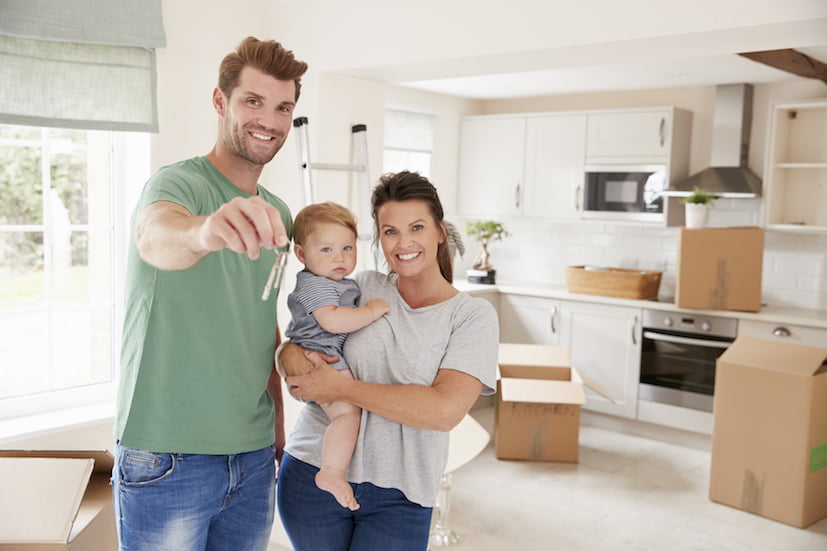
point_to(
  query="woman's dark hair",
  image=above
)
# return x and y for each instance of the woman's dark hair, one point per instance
(408, 186)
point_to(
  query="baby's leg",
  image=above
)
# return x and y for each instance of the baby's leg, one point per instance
(339, 442)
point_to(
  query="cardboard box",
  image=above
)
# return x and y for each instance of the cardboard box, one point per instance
(539, 395)
(769, 441)
(56, 500)
(720, 268)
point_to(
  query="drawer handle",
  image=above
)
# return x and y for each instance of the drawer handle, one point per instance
(781, 332)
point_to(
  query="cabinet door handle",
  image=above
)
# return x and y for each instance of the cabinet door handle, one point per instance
(551, 320)
(781, 332)
(634, 331)
(662, 131)
(577, 198)
(517, 196)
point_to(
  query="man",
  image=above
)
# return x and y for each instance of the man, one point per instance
(195, 423)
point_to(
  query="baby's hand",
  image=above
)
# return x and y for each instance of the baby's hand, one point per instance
(379, 307)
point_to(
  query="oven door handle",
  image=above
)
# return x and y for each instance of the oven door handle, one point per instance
(684, 340)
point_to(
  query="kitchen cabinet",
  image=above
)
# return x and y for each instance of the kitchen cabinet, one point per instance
(491, 166)
(637, 135)
(554, 166)
(783, 332)
(529, 320)
(795, 176)
(604, 344)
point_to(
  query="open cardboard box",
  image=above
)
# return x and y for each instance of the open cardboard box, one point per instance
(769, 441)
(53, 500)
(538, 403)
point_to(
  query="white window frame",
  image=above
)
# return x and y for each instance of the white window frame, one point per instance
(130, 155)
(418, 146)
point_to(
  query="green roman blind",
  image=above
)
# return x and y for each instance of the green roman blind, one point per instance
(80, 63)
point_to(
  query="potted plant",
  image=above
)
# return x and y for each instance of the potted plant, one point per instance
(484, 231)
(697, 207)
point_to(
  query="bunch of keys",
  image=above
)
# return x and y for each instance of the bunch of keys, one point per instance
(277, 273)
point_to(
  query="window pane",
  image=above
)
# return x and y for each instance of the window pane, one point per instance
(24, 349)
(19, 132)
(395, 160)
(78, 178)
(82, 267)
(21, 185)
(21, 270)
(81, 347)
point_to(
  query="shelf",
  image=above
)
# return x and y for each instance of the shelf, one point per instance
(795, 179)
(801, 165)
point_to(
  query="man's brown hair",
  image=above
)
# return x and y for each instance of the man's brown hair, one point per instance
(268, 56)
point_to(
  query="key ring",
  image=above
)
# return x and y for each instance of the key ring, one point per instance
(277, 272)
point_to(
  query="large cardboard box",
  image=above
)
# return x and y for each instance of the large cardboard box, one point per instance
(769, 441)
(538, 403)
(51, 500)
(720, 268)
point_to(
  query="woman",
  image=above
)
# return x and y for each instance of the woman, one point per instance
(418, 370)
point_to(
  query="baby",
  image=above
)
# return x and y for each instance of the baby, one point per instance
(324, 310)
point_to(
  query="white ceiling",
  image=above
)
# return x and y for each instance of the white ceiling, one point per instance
(647, 74)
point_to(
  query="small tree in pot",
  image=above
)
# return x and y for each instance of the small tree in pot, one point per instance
(696, 207)
(484, 232)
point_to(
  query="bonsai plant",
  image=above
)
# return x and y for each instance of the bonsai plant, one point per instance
(696, 207)
(485, 232)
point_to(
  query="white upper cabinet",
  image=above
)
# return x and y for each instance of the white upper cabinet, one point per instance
(534, 164)
(554, 166)
(629, 136)
(491, 166)
(795, 176)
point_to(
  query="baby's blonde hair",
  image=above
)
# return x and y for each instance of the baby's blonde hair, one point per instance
(311, 216)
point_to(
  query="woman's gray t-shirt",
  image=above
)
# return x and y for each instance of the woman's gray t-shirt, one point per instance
(406, 346)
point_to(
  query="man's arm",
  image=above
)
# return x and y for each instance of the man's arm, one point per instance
(169, 237)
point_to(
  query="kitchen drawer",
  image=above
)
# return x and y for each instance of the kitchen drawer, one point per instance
(783, 332)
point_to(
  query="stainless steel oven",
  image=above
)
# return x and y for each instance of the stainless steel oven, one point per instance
(677, 365)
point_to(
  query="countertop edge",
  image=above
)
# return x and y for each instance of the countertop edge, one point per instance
(771, 314)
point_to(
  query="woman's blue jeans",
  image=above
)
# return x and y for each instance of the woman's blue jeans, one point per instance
(189, 502)
(315, 521)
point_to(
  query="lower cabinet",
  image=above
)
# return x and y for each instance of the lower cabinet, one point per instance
(529, 320)
(603, 342)
(783, 332)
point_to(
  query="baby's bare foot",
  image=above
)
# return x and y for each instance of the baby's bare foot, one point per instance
(335, 482)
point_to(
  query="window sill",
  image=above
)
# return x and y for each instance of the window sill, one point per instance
(44, 424)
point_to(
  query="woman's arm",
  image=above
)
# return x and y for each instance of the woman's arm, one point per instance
(440, 406)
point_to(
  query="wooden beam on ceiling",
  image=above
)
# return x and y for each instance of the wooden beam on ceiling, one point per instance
(791, 61)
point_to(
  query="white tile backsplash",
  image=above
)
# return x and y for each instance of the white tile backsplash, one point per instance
(538, 251)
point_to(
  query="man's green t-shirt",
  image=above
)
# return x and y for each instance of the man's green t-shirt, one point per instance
(198, 343)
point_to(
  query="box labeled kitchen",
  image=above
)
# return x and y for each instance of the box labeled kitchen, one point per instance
(538, 403)
(769, 441)
(720, 268)
(56, 500)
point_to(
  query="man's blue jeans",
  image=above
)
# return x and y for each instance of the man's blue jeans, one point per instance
(188, 502)
(315, 521)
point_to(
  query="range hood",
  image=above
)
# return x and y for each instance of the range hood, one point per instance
(729, 176)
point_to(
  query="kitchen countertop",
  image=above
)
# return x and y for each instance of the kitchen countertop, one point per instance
(769, 313)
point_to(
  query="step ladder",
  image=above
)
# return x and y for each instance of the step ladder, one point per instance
(359, 167)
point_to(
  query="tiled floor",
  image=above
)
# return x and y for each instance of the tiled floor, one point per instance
(626, 493)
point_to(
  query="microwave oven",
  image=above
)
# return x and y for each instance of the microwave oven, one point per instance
(624, 192)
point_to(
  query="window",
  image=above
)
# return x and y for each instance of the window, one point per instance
(409, 142)
(59, 265)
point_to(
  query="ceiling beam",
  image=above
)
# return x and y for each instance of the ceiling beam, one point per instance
(791, 61)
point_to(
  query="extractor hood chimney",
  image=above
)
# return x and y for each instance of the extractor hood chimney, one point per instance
(729, 175)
